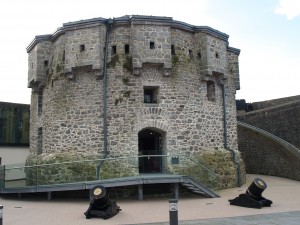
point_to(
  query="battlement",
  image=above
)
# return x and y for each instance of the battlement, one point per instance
(126, 20)
(159, 41)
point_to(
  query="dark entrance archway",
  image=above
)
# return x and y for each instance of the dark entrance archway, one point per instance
(150, 143)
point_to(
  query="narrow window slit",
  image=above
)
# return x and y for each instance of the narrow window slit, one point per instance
(191, 53)
(82, 48)
(173, 49)
(152, 45)
(211, 92)
(113, 49)
(64, 56)
(217, 55)
(126, 48)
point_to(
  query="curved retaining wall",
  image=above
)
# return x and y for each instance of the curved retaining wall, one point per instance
(282, 121)
(262, 155)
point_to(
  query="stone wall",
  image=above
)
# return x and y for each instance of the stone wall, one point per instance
(261, 155)
(233, 67)
(72, 166)
(217, 170)
(274, 102)
(282, 121)
(151, 43)
(38, 63)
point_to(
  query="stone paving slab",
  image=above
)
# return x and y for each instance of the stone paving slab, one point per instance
(286, 218)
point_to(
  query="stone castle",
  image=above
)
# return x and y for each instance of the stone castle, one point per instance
(133, 85)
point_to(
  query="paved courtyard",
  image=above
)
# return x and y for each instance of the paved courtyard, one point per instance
(285, 218)
(283, 192)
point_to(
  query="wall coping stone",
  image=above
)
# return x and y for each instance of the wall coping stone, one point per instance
(234, 50)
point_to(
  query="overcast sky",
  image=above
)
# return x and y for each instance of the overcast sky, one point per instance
(266, 31)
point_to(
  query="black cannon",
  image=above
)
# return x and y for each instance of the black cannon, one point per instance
(253, 197)
(100, 204)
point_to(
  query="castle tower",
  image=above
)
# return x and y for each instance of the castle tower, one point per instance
(133, 85)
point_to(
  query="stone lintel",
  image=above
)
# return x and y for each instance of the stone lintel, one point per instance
(206, 72)
(209, 75)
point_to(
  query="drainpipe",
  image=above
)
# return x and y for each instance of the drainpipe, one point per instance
(109, 25)
(238, 170)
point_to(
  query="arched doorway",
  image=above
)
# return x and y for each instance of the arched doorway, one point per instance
(150, 143)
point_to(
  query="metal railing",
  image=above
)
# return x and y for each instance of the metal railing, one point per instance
(22, 176)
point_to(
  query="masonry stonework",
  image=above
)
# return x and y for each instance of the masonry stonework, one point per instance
(280, 117)
(262, 154)
(164, 78)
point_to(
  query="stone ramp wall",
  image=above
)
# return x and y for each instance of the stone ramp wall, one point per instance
(280, 117)
(282, 121)
(262, 155)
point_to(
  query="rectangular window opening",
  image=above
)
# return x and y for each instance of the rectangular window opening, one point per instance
(40, 101)
(40, 141)
(127, 49)
(191, 53)
(151, 95)
(199, 55)
(217, 55)
(211, 92)
(113, 49)
(173, 49)
(152, 45)
(46, 62)
(82, 48)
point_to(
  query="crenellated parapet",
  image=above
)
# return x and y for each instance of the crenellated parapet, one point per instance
(159, 41)
(151, 42)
